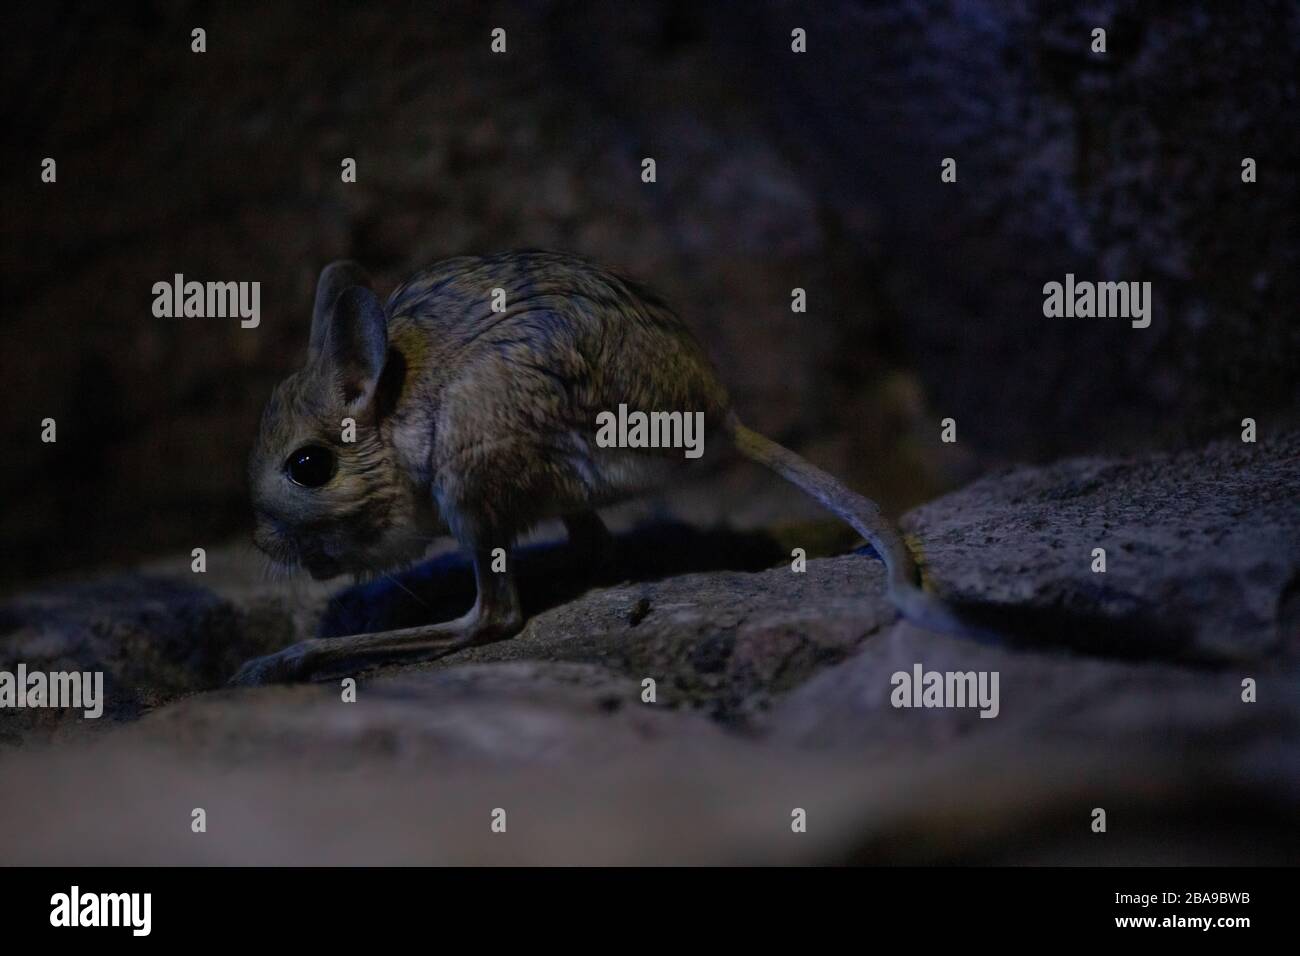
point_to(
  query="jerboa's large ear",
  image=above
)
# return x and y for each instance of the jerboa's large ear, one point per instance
(334, 279)
(356, 341)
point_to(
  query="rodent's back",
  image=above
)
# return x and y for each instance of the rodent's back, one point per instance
(600, 338)
(514, 395)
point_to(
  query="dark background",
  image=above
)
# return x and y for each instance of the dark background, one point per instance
(775, 170)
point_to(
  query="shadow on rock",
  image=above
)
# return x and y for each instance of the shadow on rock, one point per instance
(548, 575)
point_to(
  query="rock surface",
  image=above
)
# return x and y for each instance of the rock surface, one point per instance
(1122, 166)
(772, 694)
(1202, 551)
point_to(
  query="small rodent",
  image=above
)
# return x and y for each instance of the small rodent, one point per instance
(480, 424)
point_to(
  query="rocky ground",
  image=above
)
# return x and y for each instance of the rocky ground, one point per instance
(1121, 691)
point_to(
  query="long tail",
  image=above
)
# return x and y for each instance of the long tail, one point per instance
(920, 607)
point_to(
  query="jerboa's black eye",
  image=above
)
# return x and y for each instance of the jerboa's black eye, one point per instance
(310, 466)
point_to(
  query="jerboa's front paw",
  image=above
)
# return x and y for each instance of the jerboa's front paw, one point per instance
(283, 667)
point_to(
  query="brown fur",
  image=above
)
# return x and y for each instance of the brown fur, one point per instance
(482, 424)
